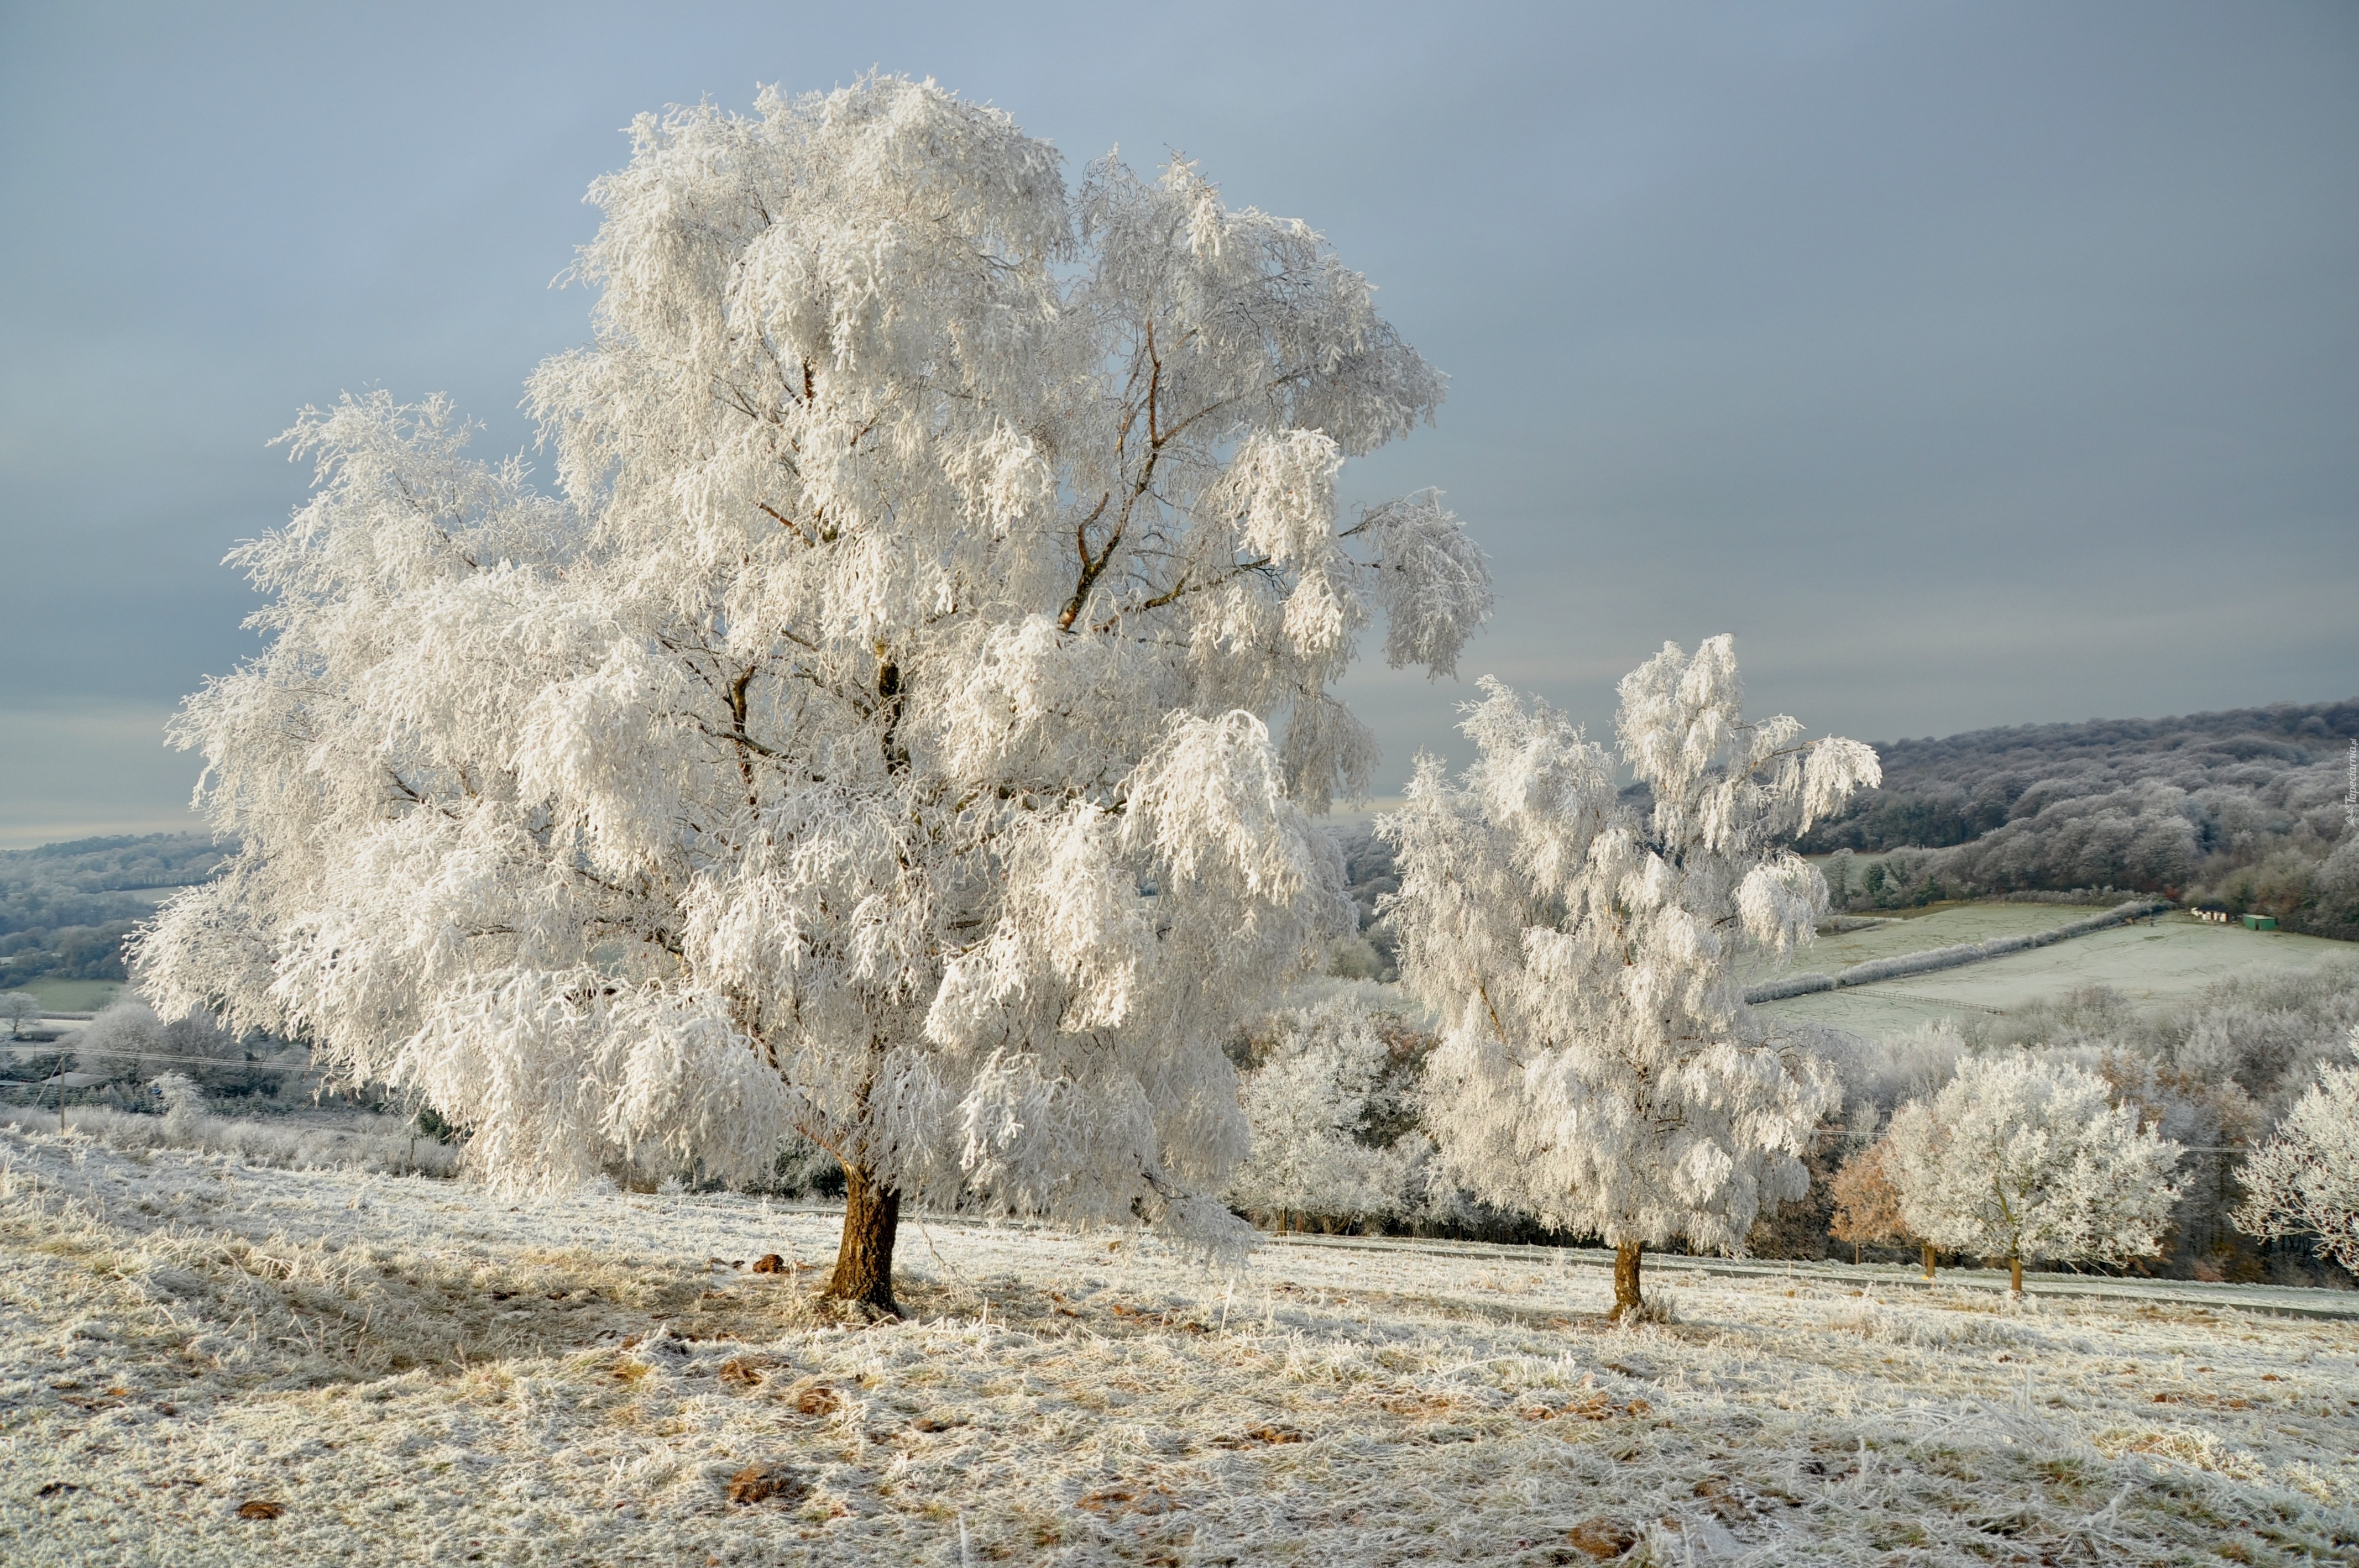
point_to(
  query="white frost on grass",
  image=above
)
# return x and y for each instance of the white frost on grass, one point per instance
(416, 1370)
(299, 1140)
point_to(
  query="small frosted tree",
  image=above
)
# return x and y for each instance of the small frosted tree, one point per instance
(17, 1007)
(2020, 1157)
(1310, 1103)
(1598, 1067)
(199, 1049)
(897, 729)
(118, 1043)
(2305, 1180)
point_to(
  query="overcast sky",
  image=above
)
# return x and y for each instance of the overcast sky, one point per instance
(1975, 364)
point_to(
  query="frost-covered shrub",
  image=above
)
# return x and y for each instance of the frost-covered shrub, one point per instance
(184, 1105)
(2024, 1159)
(1326, 1094)
(302, 1142)
(2305, 1181)
(121, 1041)
(1879, 1072)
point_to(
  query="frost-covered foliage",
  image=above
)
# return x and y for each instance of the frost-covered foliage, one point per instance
(1598, 1067)
(121, 1041)
(2263, 1035)
(2026, 1159)
(2305, 1181)
(2214, 1074)
(127, 1042)
(1879, 1073)
(898, 729)
(310, 1140)
(1327, 1097)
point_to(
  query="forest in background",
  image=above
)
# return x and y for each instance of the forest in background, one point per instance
(65, 908)
(2246, 809)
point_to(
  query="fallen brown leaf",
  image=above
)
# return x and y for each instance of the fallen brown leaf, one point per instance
(767, 1482)
(1601, 1538)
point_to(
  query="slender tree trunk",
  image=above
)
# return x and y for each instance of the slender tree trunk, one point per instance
(1928, 1250)
(1625, 1278)
(2015, 1273)
(863, 1258)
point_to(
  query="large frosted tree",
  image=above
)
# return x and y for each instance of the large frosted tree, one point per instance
(1598, 1067)
(899, 725)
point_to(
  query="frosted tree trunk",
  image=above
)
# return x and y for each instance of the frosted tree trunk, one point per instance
(2015, 1273)
(864, 1257)
(1927, 1249)
(1625, 1278)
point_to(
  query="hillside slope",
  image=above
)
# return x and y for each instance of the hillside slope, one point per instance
(2247, 807)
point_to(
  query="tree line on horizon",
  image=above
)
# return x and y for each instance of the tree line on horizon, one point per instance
(2246, 809)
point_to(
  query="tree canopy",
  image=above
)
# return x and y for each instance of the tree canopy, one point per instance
(1598, 1067)
(898, 727)
(2024, 1159)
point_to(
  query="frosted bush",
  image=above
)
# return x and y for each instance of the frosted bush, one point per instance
(2305, 1181)
(1314, 1100)
(2022, 1158)
(358, 1141)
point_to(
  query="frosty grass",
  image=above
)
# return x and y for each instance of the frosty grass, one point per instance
(411, 1370)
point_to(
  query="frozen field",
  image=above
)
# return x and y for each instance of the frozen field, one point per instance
(2154, 966)
(405, 1370)
(1905, 932)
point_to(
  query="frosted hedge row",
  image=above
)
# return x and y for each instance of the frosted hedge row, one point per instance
(1949, 958)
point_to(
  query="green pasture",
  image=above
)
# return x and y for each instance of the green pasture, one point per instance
(73, 995)
(2153, 966)
(1941, 927)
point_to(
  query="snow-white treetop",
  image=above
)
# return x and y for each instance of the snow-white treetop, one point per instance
(1598, 1065)
(901, 721)
(2031, 1159)
(2304, 1182)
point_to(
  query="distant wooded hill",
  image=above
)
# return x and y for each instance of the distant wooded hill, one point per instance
(2246, 807)
(65, 908)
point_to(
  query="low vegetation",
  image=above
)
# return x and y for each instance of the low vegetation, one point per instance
(206, 1363)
